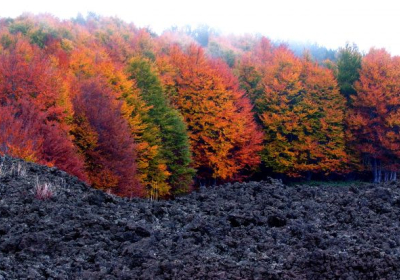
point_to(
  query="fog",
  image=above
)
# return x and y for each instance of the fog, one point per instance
(328, 23)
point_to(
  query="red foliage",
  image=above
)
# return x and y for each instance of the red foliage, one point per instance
(31, 88)
(26, 134)
(18, 133)
(26, 73)
(111, 163)
(58, 150)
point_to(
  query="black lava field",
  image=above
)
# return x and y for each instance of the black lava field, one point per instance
(256, 230)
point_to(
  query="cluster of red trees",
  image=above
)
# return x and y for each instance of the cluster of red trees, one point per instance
(142, 115)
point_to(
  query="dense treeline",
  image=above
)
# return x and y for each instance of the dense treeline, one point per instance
(138, 114)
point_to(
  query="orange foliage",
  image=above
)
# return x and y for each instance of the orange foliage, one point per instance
(215, 113)
(374, 120)
(301, 110)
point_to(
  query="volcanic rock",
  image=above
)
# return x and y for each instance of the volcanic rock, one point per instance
(256, 230)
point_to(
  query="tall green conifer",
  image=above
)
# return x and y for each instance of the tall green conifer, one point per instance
(175, 148)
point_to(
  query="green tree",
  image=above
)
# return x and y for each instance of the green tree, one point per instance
(175, 147)
(349, 64)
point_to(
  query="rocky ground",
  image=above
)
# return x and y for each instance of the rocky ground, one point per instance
(262, 230)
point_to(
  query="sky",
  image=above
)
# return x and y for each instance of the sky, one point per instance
(328, 23)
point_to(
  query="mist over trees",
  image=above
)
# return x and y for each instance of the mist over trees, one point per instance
(140, 114)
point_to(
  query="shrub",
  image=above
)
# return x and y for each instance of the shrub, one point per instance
(43, 190)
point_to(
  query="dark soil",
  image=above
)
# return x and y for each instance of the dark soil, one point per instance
(262, 230)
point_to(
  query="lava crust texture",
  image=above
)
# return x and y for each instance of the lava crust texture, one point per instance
(257, 230)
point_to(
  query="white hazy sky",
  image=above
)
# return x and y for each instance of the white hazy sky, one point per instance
(329, 23)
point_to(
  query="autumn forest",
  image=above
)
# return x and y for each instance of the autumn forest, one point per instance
(143, 115)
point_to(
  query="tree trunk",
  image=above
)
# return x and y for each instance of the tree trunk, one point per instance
(309, 175)
(379, 172)
(393, 176)
(375, 170)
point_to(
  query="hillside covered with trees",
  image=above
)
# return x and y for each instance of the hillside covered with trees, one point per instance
(141, 115)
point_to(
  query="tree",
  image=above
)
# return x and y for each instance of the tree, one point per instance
(251, 69)
(247, 137)
(86, 64)
(104, 138)
(302, 114)
(31, 84)
(25, 72)
(201, 34)
(250, 77)
(217, 51)
(212, 112)
(348, 64)
(175, 148)
(373, 120)
(18, 132)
